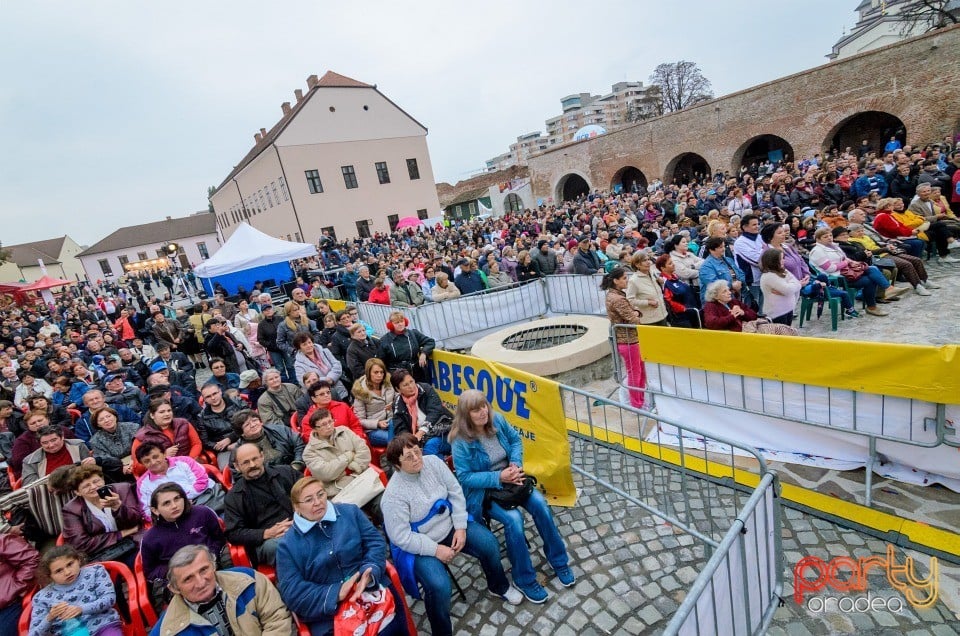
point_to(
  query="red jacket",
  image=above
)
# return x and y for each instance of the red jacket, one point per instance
(717, 317)
(888, 227)
(379, 296)
(343, 415)
(18, 566)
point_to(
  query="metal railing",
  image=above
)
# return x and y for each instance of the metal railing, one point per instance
(699, 483)
(870, 415)
(738, 590)
(459, 322)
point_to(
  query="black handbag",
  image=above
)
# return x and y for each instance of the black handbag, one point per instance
(116, 552)
(509, 496)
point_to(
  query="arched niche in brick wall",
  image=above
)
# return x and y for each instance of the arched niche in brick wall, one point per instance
(570, 186)
(761, 148)
(873, 125)
(626, 177)
(685, 167)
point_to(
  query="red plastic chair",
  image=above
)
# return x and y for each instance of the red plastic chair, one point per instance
(227, 476)
(294, 424)
(75, 415)
(14, 482)
(207, 456)
(143, 593)
(214, 473)
(23, 627)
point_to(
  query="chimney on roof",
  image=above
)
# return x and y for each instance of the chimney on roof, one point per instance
(299, 94)
(312, 81)
(169, 219)
(285, 107)
(256, 138)
(263, 133)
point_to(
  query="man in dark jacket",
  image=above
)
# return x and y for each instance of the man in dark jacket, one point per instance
(258, 511)
(468, 281)
(364, 283)
(545, 258)
(216, 428)
(586, 260)
(267, 337)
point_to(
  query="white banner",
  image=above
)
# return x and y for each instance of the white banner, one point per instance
(785, 440)
(749, 566)
(576, 294)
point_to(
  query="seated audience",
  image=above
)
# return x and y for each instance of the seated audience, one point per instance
(257, 508)
(73, 590)
(98, 526)
(425, 516)
(488, 458)
(238, 601)
(418, 410)
(373, 398)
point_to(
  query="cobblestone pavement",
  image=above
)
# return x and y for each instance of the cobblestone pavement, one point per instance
(633, 571)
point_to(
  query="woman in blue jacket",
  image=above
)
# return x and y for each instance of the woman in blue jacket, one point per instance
(331, 552)
(487, 455)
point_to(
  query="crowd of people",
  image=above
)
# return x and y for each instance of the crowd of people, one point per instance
(309, 469)
(317, 449)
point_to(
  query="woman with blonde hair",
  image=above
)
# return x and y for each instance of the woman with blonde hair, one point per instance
(373, 397)
(294, 322)
(644, 291)
(488, 458)
(444, 290)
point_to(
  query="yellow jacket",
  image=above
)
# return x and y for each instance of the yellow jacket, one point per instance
(912, 220)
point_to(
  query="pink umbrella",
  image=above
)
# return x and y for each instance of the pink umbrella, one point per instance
(408, 221)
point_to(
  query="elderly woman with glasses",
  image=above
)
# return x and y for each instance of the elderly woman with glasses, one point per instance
(332, 553)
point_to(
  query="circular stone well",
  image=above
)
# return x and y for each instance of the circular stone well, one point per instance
(550, 346)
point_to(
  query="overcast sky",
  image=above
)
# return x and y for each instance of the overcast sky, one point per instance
(119, 112)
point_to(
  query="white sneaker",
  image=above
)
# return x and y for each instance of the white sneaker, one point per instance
(921, 291)
(954, 244)
(929, 284)
(949, 259)
(512, 596)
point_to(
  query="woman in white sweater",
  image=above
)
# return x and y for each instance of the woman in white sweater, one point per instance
(644, 292)
(781, 289)
(687, 263)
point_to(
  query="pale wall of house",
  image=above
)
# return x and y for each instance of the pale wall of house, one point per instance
(881, 34)
(91, 262)
(340, 207)
(69, 266)
(262, 189)
(317, 124)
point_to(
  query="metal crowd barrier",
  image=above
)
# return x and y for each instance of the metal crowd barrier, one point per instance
(575, 294)
(459, 322)
(874, 416)
(696, 482)
(738, 590)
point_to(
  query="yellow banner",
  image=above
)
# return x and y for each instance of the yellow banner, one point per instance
(911, 371)
(336, 305)
(529, 403)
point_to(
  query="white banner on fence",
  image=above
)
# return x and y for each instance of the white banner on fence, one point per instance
(576, 294)
(460, 322)
(784, 440)
(746, 573)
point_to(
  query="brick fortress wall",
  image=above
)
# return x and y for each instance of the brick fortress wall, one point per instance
(916, 80)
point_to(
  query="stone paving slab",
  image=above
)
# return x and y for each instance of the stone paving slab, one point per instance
(633, 571)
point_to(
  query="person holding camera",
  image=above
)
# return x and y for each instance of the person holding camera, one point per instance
(488, 458)
(100, 519)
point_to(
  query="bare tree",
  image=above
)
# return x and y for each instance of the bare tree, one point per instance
(681, 84)
(922, 16)
(210, 192)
